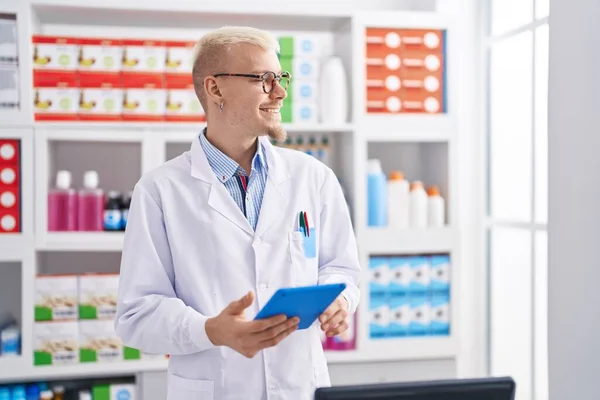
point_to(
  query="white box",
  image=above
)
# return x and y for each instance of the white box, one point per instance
(100, 55)
(304, 113)
(55, 53)
(179, 57)
(56, 298)
(144, 56)
(98, 342)
(56, 343)
(8, 40)
(9, 88)
(98, 296)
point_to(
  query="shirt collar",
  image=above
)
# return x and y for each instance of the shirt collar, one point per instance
(222, 165)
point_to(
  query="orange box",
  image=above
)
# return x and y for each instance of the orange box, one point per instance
(9, 152)
(415, 103)
(179, 57)
(100, 97)
(402, 40)
(143, 56)
(54, 53)
(182, 104)
(144, 97)
(56, 96)
(99, 55)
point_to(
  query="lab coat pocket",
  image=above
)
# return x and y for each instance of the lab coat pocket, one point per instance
(304, 270)
(190, 389)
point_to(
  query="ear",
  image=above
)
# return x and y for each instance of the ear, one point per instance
(213, 93)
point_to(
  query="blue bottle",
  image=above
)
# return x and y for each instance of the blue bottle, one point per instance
(376, 194)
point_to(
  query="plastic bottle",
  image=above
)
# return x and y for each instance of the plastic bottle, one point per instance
(333, 104)
(376, 194)
(59, 392)
(62, 204)
(125, 209)
(345, 340)
(300, 144)
(398, 201)
(90, 208)
(113, 220)
(435, 208)
(19, 392)
(47, 395)
(85, 395)
(418, 205)
(311, 149)
(323, 151)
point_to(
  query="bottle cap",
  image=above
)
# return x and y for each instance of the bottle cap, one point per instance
(46, 395)
(396, 176)
(90, 180)
(416, 185)
(113, 194)
(374, 166)
(58, 389)
(63, 179)
(433, 190)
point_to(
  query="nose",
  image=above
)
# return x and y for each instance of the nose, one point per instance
(278, 92)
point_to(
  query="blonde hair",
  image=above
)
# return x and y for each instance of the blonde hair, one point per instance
(210, 52)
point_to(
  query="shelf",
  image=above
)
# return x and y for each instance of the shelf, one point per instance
(402, 349)
(16, 371)
(408, 128)
(81, 241)
(385, 241)
(13, 247)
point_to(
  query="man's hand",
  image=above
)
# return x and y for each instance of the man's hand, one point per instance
(333, 320)
(230, 328)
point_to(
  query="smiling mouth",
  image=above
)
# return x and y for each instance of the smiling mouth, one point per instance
(270, 110)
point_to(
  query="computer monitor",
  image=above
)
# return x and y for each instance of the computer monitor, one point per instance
(502, 388)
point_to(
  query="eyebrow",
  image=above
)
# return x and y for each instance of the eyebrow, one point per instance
(265, 70)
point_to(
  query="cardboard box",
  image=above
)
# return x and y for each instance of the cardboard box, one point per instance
(302, 69)
(56, 96)
(10, 221)
(179, 57)
(9, 44)
(98, 342)
(143, 56)
(100, 97)
(56, 343)
(56, 298)
(9, 177)
(114, 392)
(55, 53)
(9, 199)
(98, 296)
(182, 104)
(144, 98)
(308, 46)
(9, 152)
(99, 55)
(9, 88)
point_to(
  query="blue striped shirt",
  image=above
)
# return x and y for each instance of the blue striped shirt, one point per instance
(246, 191)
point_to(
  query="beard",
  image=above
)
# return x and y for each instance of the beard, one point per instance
(276, 132)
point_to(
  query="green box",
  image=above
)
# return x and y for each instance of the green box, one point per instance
(286, 46)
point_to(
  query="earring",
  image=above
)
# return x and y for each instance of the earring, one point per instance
(221, 107)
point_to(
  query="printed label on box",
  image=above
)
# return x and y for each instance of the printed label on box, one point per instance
(182, 102)
(54, 53)
(98, 342)
(98, 296)
(144, 98)
(378, 275)
(440, 314)
(400, 315)
(146, 56)
(379, 316)
(100, 55)
(440, 273)
(55, 97)
(420, 315)
(421, 275)
(400, 274)
(179, 57)
(100, 97)
(56, 343)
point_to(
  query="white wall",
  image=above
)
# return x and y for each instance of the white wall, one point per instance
(574, 207)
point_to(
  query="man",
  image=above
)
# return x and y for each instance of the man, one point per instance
(213, 233)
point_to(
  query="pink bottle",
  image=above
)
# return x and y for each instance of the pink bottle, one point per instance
(62, 205)
(90, 207)
(346, 340)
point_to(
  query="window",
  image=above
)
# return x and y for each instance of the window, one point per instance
(517, 171)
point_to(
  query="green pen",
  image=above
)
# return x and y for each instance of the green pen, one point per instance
(301, 219)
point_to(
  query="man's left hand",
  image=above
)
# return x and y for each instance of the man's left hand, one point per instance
(333, 320)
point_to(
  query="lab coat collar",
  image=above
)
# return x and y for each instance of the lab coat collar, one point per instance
(277, 191)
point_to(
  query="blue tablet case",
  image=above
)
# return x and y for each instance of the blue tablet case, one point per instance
(306, 302)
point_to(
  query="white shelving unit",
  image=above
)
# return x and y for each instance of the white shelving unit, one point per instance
(343, 31)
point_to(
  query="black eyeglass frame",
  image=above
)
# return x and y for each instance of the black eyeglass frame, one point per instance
(263, 77)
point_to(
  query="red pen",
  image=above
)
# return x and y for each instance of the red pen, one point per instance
(306, 224)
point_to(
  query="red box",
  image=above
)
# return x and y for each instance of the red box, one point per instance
(182, 104)
(56, 96)
(144, 97)
(10, 221)
(9, 152)
(9, 176)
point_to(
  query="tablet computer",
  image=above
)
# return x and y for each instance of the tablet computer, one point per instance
(305, 302)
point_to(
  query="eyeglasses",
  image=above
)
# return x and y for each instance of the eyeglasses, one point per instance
(268, 79)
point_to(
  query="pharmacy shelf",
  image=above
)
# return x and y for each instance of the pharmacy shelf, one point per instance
(14, 247)
(16, 371)
(409, 128)
(386, 241)
(81, 241)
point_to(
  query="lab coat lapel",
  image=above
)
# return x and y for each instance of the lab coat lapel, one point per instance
(219, 198)
(277, 191)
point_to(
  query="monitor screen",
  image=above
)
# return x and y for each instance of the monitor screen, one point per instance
(457, 389)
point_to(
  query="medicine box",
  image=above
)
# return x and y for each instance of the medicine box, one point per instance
(182, 104)
(400, 274)
(440, 273)
(98, 296)
(9, 177)
(308, 46)
(379, 316)
(304, 92)
(56, 343)
(302, 69)
(420, 274)
(55, 53)
(379, 275)
(144, 98)
(55, 96)
(143, 56)
(8, 44)
(440, 314)
(114, 392)
(98, 55)
(179, 57)
(56, 298)
(400, 315)
(9, 87)
(420, 314)
(98, 342)
(9, 152)
(100, 97)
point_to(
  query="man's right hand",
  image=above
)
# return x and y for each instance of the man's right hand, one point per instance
(230, 328)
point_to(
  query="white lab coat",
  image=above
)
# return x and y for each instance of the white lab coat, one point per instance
(189, 251)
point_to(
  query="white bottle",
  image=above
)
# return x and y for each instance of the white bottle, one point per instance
(435, 207)
(333, 93)
(398, 201)
(418, 205)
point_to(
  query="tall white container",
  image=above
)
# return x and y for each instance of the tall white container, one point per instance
(418, 205)
(398, 201)
(435, 208)
(333, 92)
